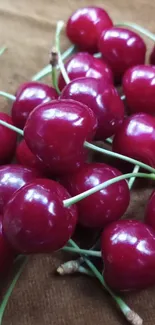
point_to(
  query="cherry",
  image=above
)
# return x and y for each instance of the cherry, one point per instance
(122, 48)
(139, 89)
(13, 177)
(55, 132)
(28, 96)
(84, 64)
(136, 138)
(85, 26)
(6, 254)
(104, 206)
(150, 211)
(25, 157)
(128, 250)
(152, 56)
(8, 140)
(103, 100)
(35, 219)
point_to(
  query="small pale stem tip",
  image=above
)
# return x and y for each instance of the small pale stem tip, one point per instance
(54, 57)
(68, 267)
(133, 318)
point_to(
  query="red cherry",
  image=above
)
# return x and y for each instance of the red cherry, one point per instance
(6, 254)
(104, 206)
(139, 89)
(25, 157)
(136, 138)
(122, 48)
(103, 100)
(35, 220)
(28, 96)
(128, 250)
(150, 211)
(152, 56)
(85, 26)
(8, 140)
(55, 132)
(86, 65)
(13, 177)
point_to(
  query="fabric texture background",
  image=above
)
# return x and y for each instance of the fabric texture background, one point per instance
(40, 297)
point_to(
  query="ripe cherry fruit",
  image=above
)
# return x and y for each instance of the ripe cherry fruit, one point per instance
(8, 139)
(104, 206)
(139, 89)
(28, 96)
(152, 56)
(150, 211)
(128, 250)
(84, 64)
(6, 254)
(35, 219)
(102, 99)
(122, 49)
(85, 26)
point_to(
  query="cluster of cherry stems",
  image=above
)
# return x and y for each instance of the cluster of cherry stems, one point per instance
(58, 124)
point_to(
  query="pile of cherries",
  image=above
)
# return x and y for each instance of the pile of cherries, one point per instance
(53, 185)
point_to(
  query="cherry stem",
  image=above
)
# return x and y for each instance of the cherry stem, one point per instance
(82, 251)
(135, 319)
(81, 196)
(12, 127)
(117, 155)
(10, 289)
(53, 62)
(60, 25)
(132, 179)
(8, 96)
(138, 29)
(2, 49)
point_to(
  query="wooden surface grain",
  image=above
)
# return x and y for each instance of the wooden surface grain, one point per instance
(40, 297)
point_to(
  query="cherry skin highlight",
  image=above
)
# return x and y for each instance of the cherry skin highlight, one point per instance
(139, 89)
(136, 138)
(13, 177)
(85, 26)
(84, 64)
(35, 220)
(8, 139)
(122, 49)
(150, 211)
(102, 99)
(55, 132)
(105, 206)
(6, 254)
(28, 96)
(128, 250)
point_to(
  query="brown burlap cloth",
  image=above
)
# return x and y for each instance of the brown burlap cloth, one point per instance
(40, 297)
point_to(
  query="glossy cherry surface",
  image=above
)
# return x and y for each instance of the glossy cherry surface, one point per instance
(122, 48)
(55, 132)
(102, 99)
(150, 211)
(85, 26)
(35, 220)
(152, 56)
(128, 250)
(13, 177)
(84, 64)
(8, 139)
(25, 157)
(105, 206)
(6, 254)
(28, 96)
(136, 138)
(139, 89)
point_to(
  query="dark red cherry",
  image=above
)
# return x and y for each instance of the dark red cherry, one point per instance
(122, 48)
(150, 211)
(136, 138)
(85, 26)
(55, 132)
(26, 158)
(105, 206)
(13, 177)
(139, 89)
(152, 56)
(35, 220)
(84, 64)
(6, 254)
(8, 139)
(128, 250)
(28, 96)
(102, 99)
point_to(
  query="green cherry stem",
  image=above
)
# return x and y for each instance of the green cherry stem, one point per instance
(60, 25)
(81, 251)
(2, 49)
(8, 96)
(81, 196)
(132, 179)
(53, 62)
(138, 29)
(12, 127)
(10, 289)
